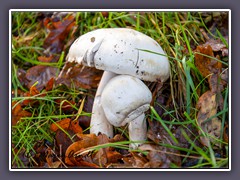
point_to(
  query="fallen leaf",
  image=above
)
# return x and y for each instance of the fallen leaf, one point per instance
(50, 160)
(206, 65)
(18, 113)
(78, 76)
(225, 133)
(158, 156)
(84, 120)
(32, 92)
(59, 30)
(21, 73)
(217, 45)
(65, 139)
(74, 126)
(159, 135)
(191, 131)
(66, 106)
(139, 161)
(49, 85)
(47, 59)
(41, 74)
(64, 124)
(207, 106)
(105, 156)
(86, 140)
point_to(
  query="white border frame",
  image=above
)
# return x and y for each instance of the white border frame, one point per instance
(116, 10)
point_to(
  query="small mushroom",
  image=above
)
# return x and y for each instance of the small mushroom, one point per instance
(127, 57)
(124, 100)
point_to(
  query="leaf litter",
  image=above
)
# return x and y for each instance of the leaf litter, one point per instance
(211, 101)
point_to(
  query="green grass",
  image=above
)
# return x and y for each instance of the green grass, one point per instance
(174, 31)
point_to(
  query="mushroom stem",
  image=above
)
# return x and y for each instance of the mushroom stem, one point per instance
(99, 122)
(137, 131)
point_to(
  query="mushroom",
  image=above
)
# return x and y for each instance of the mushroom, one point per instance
(127, 57)
(124, 100)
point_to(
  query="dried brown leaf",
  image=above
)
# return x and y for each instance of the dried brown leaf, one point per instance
(74, 126)
(18, 113)
(50, 160)
(207, 105)
(205, 64)
(191, 131)
(49, 85)
(65, 106)
(46, 59)
(86, 140)
(59, 30)
(160, 157)
(41, 74)
(65, 139)
(139, 160)
(78, 76)
(217, 45)
(84, 121)
(159, 135)
(64, 124)
(106, 155)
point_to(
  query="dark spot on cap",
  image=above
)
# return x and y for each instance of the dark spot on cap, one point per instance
(137, 71)
(142, 72)
(92, 39)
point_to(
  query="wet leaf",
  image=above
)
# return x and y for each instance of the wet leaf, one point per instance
(191, 131)
(49, 85)
(86, 140)
(139, 161)
(159, 135)
(50, 160)
(105, 156)
(84, 120)
(31, 93)
(158, 156)
(18, 113)
(64, 139)
(217, 45)
(211, 125)
(46, 59)
(65, 106)
(78, 76)
(41, 74)
(74, 126)
(206, 65)
(225, 133)
(59, 30)
(21, 73)
(64, 124)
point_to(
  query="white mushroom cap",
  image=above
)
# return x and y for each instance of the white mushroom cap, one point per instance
(120, 50)
(125, 98)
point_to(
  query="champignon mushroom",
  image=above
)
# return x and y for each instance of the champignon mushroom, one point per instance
(131, 56)
(124, 100)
